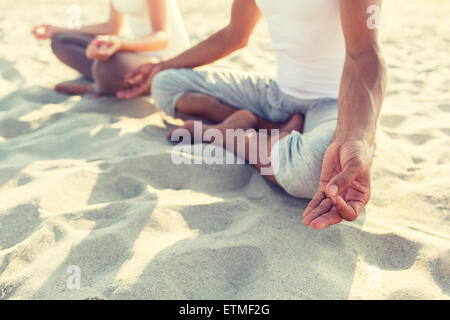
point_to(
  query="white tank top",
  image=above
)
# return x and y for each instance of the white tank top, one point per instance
(137, 12)
(309, 46)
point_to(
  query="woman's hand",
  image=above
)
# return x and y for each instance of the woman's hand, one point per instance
(44, 31)
(103, 47)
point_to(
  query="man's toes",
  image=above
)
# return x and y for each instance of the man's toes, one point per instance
(184, 133)
(169, 135)
(294, 123)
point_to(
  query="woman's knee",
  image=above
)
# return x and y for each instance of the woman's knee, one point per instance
(57, 44)
(108, 75)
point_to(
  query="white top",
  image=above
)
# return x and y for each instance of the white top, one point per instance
(137, 12)
(309, 45)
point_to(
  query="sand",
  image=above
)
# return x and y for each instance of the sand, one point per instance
(89, 183)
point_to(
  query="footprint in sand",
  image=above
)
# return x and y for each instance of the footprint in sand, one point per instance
(444, 107)
(392, 121)
(407, 294)
(418, 160)
(95, 298)
(419, 138)
(11, 128)
(213, 217)
(23, 179)
(10, 73)
(159, 171)
(6, 290)
(390, 251)
(128, 187)
(226, 271)
(42, 95)
(108, 188)
(24, 219)
(446, 131)
(103, 216)
(441, 271)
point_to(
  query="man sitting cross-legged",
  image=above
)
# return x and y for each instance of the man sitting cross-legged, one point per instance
(330, 71)
(245, 120)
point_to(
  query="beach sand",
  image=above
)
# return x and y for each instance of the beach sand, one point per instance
(89, 183)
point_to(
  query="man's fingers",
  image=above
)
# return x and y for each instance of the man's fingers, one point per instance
(125, 93)
(141, 89)
(326, 220)
(316, 200)
(132, 91)
(133, 76)
(322, 208)
(345, 209)
(122, 94)
(344, 179)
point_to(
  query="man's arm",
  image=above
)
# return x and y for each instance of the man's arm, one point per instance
(364, 77)
(244, 17)
(344, 187)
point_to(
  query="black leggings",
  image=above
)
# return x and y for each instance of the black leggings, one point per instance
(108, 75)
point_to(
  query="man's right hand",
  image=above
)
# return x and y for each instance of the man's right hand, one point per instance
(138, 81)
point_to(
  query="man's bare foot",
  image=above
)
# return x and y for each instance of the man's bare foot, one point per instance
(189, 126)
(73, 88)
(294, 123)
(241, 119)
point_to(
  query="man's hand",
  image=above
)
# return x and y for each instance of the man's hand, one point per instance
(139, 80)
(344, 187)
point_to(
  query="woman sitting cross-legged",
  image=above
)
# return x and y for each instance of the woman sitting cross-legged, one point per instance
(99, 54)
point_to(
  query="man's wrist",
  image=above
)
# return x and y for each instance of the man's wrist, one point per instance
(366, 136)
(361, 147)
(166, 64)
(163, 65)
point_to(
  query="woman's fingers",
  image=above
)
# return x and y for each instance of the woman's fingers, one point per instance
(40, 32)
(91, 50)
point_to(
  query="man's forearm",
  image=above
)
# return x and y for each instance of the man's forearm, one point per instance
(361, 96)
(245, 14)
(216, 47)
